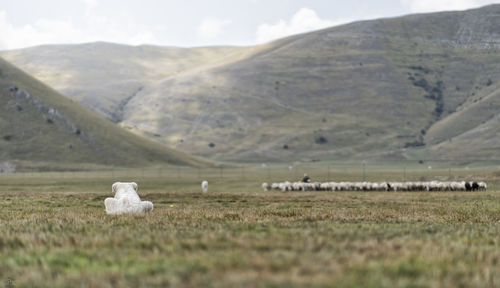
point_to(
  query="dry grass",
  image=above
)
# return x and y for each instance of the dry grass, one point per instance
(54, 232)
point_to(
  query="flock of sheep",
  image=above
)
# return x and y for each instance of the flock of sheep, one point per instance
(382, 186)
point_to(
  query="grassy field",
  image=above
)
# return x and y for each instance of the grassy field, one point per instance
(54, 232)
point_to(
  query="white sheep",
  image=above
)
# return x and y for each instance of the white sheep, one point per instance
(286, 186)
(126, 200)
(266, 187)
(482, 186)
(204, 186)
(325, 186)
(297, 186)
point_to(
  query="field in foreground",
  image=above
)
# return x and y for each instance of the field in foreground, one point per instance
(54, 232)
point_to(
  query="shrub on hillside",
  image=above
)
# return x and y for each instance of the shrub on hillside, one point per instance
(320, 140)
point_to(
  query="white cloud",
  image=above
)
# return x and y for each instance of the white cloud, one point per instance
(212, 28)
(304, 20)
(28, 35)
(422, 6)
(91, 4)
(54, 31)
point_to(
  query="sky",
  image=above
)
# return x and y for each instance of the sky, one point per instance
(191, 23)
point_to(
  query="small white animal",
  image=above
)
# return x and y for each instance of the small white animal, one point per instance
(204, 186)
(266, 187)
(126, 200)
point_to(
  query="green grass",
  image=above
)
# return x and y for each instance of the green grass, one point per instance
(54, 233)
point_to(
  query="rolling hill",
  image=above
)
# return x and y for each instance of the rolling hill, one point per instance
(413, 87)
(103, 76)
(39, 125)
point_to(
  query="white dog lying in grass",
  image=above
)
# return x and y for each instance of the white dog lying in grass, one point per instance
(126, 200)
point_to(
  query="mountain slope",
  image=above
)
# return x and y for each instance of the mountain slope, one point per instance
(103, 76)
(388, 88)
(369, 88)
(40, 125)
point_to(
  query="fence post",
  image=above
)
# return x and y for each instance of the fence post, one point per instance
(404, 174)
(328, 173)
(364, 172)
(221, 172)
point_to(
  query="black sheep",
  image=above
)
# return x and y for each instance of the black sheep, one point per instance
(475, 186)
(468, 187)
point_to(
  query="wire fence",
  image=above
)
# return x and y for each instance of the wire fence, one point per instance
(320, 172)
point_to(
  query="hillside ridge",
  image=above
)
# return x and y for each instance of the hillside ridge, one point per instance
(40, 125)
(392, 88)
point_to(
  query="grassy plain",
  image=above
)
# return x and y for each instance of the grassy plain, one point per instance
(54, 232)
